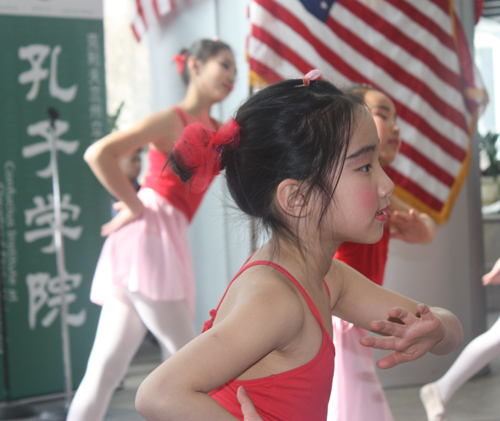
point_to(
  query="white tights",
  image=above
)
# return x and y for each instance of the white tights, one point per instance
(472, 359)
(123, 323)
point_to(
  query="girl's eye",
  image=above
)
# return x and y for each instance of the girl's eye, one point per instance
(225, 65)
(366, 168)
(382, 116)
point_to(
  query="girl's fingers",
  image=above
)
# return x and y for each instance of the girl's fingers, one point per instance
(247, 408)
(387, 343)
(388, 328)
(391, 360)
(403, 314)
(425, 312)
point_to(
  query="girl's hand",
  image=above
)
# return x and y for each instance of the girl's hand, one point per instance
(124, 216)
(411, 227)
(411, 340)
(247, 408)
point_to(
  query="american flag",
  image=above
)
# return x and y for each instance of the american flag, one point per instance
(414, 51)
(139, 22)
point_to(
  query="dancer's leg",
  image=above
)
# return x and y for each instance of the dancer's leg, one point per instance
(169, 321)
(479, 352)
(472, 359)
(119, 335)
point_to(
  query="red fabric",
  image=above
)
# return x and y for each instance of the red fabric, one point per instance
(368, 259)
(165, 182)
(199, 148)
(299, 394)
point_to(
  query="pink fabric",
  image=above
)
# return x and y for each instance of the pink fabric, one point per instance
(149, 255)
(356, 390)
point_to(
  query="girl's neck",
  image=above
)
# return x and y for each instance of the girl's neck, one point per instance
(194, 103)
(306, 266)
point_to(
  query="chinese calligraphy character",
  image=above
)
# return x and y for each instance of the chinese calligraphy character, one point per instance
(42, 128)
(36, 55)
(43, 214)
(46, 291)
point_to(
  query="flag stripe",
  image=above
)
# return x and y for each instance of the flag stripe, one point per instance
(417, 140)
(396, 71)
(414, 189)
(430, 167)
(414, 13)
(410, 48)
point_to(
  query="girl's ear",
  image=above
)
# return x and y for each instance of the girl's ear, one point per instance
(291, 198)
(193, 65)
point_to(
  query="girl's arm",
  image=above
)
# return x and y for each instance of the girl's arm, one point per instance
(413, 329)
(102, 157)
(409, 225)
(258, 323)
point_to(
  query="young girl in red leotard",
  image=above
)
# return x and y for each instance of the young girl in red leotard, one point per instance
(302, 157)
(144, 278)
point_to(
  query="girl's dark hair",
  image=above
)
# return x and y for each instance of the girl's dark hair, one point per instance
(202, 49)
(289, 131)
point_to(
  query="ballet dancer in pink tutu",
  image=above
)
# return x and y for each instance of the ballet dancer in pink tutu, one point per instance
(144, 278)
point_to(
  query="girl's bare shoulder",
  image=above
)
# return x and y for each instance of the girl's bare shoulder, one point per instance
(267, 295)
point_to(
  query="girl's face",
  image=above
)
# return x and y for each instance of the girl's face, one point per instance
(383, 112)
(215, 78)
(361, 198)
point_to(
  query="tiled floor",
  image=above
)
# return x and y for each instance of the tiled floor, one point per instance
(478, 400)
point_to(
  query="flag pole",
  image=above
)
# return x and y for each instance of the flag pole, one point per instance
(59, 414)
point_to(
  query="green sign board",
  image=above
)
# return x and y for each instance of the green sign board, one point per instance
(51, 56)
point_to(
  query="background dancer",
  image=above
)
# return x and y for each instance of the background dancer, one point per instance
(356, 392)
(144, 278)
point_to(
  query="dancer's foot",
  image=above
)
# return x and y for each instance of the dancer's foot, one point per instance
(432, 402)
(493, 276)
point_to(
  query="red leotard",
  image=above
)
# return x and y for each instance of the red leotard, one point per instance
(165, 182)
(368, 259)
(296, 395)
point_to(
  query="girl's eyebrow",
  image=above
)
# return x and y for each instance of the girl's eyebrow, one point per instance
(362, 151)
(385, 108)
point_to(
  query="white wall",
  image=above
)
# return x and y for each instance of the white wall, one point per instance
(219, 236)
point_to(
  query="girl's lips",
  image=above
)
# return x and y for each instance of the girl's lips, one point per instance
(381, 215)
(396, 142)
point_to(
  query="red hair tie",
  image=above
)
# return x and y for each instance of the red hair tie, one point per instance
(312, 75)
(181, 61)
(198, 151)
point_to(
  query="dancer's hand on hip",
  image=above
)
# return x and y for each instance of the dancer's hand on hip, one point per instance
(124, 216)
(247, 408)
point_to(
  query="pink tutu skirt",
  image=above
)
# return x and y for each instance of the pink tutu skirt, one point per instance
(356, 391)
(150, 255)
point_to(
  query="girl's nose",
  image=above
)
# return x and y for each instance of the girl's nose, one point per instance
(395, 129)
(386, 186)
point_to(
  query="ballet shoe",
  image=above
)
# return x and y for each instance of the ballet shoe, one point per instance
(432, 402)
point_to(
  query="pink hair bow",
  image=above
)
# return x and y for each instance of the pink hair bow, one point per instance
(181, 61)
(312, 75)
(198, 151)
